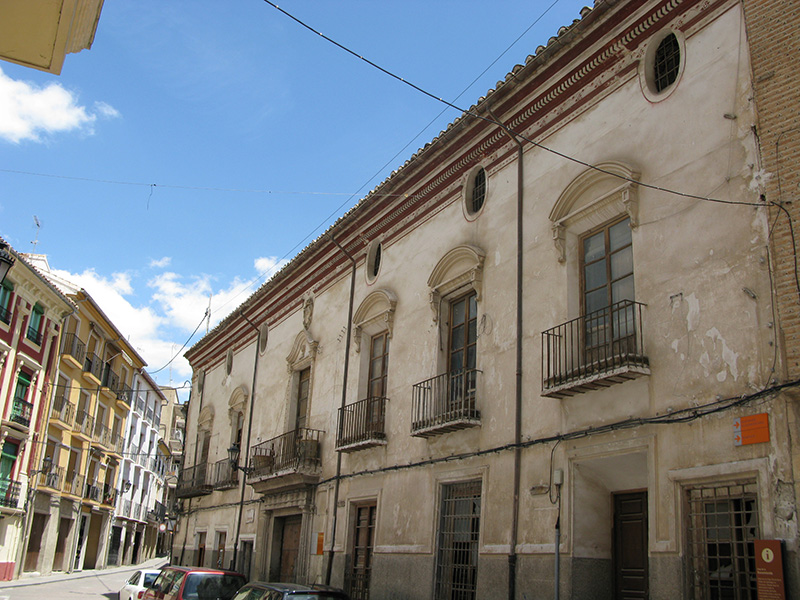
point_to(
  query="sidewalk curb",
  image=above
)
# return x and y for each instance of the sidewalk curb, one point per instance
(154, 563)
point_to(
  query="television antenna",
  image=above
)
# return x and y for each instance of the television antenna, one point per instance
(35, 242)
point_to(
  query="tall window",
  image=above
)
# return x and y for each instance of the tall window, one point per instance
(378, 364)
(303, 385)
(35, 324)
(6, 291)
(23, 384)
(607, 281)
(457, 551)
(7, 459)
(463, 333)
(723, 525)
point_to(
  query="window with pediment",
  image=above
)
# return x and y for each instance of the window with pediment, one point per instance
(300, 365)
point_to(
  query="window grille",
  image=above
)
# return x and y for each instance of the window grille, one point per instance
(667, 62)
(457, 555)
(478, 190)
(723, 525)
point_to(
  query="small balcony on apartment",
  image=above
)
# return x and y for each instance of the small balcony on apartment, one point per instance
(109, 381)
(73, 350)
(93, 368)
(225, 476)
(20, 415)
(124, 396)
(289, 461)
(54, 479)
(63, 415)
(362, 425)
(84, 425)
(594, 351)
(447, 402)
(10, 497)
(194, 481)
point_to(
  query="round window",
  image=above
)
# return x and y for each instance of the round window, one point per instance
(475, 192)
(374, 260)
(662, 65)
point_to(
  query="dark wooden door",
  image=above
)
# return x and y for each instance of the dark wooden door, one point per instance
(362, 552)
(290, 548)
(630, 546)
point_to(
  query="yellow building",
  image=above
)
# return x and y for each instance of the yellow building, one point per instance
(40, 34)
(91, 400)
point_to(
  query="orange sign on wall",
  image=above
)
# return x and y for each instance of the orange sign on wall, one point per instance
(751, 430)
(320, 542)
(769, 570)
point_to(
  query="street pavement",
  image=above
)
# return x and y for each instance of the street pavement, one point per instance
(101, 584)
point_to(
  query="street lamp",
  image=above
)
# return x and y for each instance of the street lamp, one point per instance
(233, 457)
(6, 260)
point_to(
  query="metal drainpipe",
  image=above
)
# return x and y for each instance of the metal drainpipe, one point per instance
(185, 438)
(329, 566)
(247, 447)
(512, 557)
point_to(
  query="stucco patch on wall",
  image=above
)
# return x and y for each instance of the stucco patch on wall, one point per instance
(729, 357)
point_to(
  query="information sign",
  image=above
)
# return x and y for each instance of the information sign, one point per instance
(753, 429)
(769, 570)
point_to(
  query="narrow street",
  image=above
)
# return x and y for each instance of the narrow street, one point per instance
(86, 585)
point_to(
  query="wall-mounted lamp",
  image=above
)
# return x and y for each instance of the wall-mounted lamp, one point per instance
(126, 487)
(233, 457)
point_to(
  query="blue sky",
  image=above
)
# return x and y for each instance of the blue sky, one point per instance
(199, 145)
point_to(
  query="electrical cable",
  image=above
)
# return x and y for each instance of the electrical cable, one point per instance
(205, 316)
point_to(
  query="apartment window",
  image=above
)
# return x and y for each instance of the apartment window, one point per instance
(35, 324)
(457, 544)
(6, 293)
(463, 333)
(23, 384)
(303, 387)
(722, 528)
(607, 283)
(667, 62)
(378, 365)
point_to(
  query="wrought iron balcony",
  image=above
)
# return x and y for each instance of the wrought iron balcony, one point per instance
(34, 335)
(93, 365)
(447, 402)
(594, 351)
(63, 409)
(125, 395)
(92, 492)
(74, 484)
(21, 412)
(9, 493)
(84, 423)
(74, 347)
(288, 461)
(102, 435)
(109, 495)
(110, 378)
(362, 425)
(225, 476)
(194, 481)
(54, 479)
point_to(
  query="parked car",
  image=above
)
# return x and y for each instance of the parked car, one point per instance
(195, 583)
(260, 590)
(137, 583)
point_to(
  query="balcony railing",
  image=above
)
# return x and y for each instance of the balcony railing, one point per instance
(74, 347)
(140, 405)
(117, 443)
(92, 492)
(74, 484)
(63, 409)
(21, 412)
(362, 424)
(225, 476)
(109, 495)
(126, 509)
(9, 493)
(102, 435)
(5, 315)
(92, 364)
(84, 423)
(148, 416)
(125, 394)
(136, 512)
(593, 351)
(297, 450)
(110, 378)
(158, 513)
(34, 335)
(54, 479)
(444, 403)
(194, 481)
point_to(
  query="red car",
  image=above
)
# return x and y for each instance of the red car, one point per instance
(195, 583)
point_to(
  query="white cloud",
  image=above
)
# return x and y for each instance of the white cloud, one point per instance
(268, 265)
(105, 110)
(161, 262)
(27, 111)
